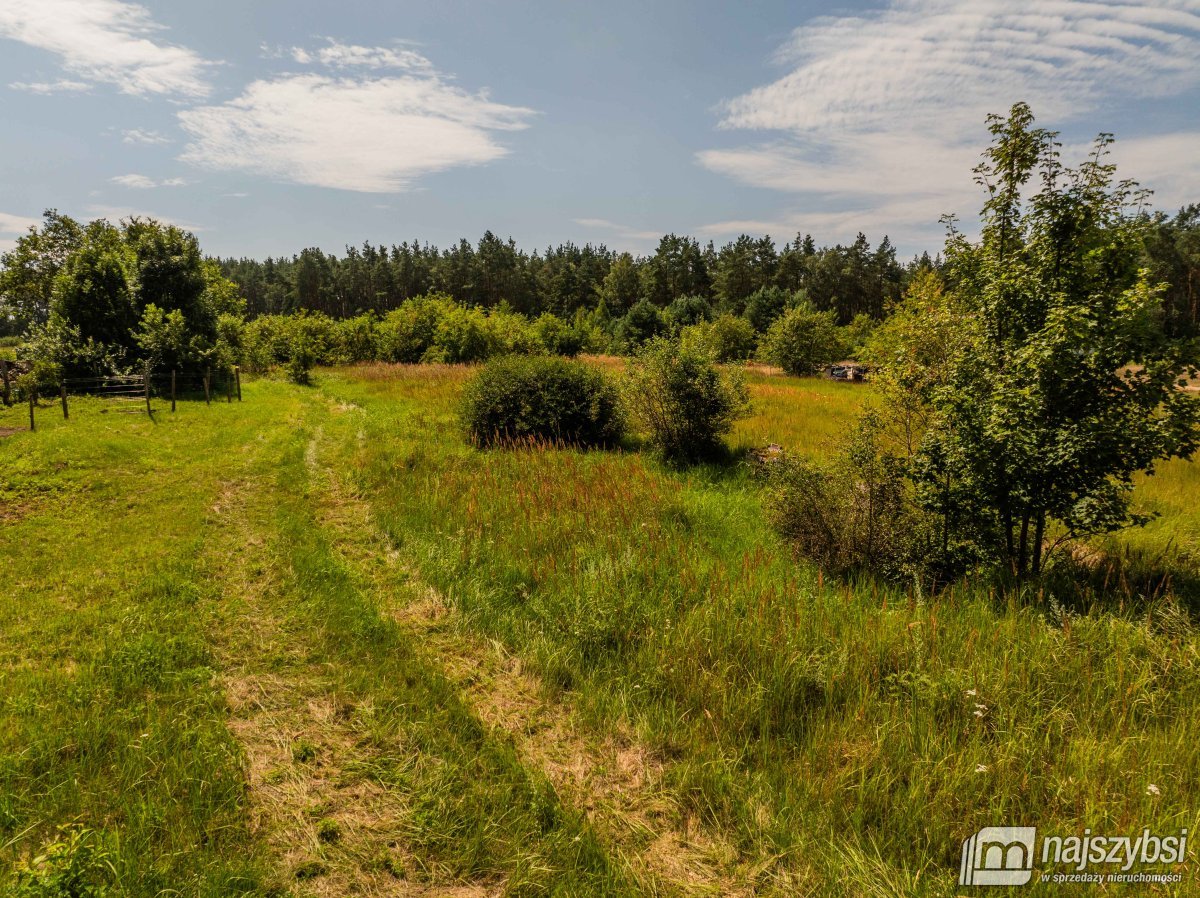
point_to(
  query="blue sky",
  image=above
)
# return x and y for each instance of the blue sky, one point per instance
(270, 126)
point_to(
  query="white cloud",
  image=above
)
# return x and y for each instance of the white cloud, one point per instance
(14, 225)
(628, 233)
(142, 182)
(140, 135)
(107, 41)
(120, 213)
(370, 134)
(61, 86)
(882, 114)
(17, 224)
(343, 56)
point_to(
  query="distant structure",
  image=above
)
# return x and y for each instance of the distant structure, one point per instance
(848, 370)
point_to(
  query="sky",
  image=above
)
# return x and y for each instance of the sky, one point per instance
(266, 127)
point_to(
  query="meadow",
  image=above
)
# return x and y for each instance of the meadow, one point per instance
(316, 644)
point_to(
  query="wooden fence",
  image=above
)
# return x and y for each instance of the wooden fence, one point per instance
(136, 392)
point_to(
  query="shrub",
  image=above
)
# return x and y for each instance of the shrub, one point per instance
(802, 341)
(857, 512)
(679, 397)
(519, 398)
(354, 340)
(686, 311)
(764, 306)
(643, 322)
(557, 336)
(307, 345)
(462, 335)
(511, 333)
(407, 333)
(727, 338)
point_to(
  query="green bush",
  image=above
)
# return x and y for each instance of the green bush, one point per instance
(802, 341)
(856, 512)
(682, 400)
(407, 333)
(534, 398)
(558, 337)
(461, 335)
(642, 323)
(727, 338)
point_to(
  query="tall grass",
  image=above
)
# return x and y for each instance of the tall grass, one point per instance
(812, 720)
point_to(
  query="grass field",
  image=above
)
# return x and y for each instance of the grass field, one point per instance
(314, 644)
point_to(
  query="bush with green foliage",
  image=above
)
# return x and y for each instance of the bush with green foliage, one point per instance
(802, 341)
(516, 399)
(727, 338)
(683, 402)
(765, 305)
(642, 323)
(686, 311)
(856, 511)
(557, 336)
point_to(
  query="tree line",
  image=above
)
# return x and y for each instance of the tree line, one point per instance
(849, 280)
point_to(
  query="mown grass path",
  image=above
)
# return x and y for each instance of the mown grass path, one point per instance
(215, 703)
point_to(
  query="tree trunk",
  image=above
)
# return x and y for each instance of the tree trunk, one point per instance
(1023, 550)
(1039, 533)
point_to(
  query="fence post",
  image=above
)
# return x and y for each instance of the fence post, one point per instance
(172, 389)
(207, 395)
(7, 387)
(62, 391)
(32, 403)
(146, 383)
(229, 388)
(237, 379)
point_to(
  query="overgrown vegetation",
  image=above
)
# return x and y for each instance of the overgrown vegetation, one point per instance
(1025, 397)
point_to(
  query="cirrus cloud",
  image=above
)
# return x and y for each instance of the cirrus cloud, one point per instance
(880, 115)
(107, 41)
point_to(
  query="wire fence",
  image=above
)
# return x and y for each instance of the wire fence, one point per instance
(137, 393)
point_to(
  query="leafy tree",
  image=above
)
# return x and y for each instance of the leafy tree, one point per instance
(766, 304)
(802, 341)
(685, 311)
(162, 335)
(642, 323)
(857, 333)
(622, 286)
(29, 269)
(912, 353)
(727, 338)
(1066, 388)
(96, 291)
